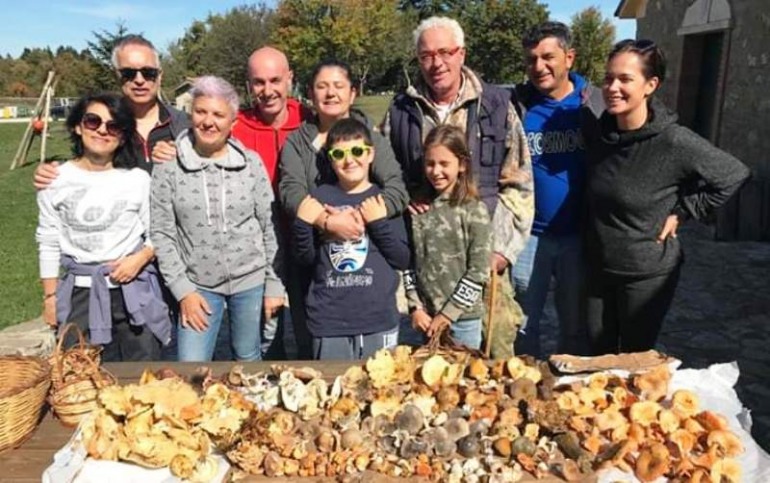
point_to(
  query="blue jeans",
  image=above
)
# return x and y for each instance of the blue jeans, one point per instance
(243, 311)
(463, 331)
(467, 332)
(545, 257)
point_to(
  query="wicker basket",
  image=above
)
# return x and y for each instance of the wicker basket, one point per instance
(73, 395)
(24, 382)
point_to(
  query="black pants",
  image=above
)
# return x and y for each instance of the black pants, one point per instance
(129, 342)
(625, 314)
(297, 287)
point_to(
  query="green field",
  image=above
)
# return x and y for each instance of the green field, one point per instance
(20, 292)
(374, 107)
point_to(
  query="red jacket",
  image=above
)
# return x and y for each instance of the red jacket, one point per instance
(266, 140)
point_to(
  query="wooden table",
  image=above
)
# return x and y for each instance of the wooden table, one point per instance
(27, 462)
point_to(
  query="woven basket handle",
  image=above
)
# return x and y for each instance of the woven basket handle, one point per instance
(58, 352)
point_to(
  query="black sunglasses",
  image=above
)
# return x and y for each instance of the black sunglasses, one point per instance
(338, 154)
(93, 122)
(149, 73)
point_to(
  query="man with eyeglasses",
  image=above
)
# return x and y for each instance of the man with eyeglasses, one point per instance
(451, 93)
(137, 65)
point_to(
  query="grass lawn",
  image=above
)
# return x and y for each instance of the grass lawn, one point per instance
(374, 107)
(20, 292)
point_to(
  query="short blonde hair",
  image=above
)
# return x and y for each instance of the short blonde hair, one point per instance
(439, 22)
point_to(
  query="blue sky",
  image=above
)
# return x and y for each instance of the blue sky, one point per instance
(36, 23)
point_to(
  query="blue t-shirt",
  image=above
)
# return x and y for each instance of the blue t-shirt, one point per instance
(558, 161)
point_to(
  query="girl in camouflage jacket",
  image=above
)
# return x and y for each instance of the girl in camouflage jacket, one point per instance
(452, 244)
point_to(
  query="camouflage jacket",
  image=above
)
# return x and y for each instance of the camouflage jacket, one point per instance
(450, 265)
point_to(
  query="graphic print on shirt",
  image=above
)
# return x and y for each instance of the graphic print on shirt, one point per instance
(87, 214)
(349, 255)
(555, 142)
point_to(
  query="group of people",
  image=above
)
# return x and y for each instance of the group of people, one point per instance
(276, 214)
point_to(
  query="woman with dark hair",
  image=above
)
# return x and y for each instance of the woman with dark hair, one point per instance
(304, 165)
(646, 174)
(94, 223)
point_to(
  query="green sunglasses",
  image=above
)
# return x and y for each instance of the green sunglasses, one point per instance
(339, 154)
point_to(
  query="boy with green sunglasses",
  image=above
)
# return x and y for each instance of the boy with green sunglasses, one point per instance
(351, 304)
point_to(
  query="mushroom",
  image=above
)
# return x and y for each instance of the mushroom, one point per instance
(410, 419)
(457, 428)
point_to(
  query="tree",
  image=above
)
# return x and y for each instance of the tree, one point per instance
(101, 55)
(370, 35)
(428, 8)
(493, 32)
(220, 46)
(592, 39)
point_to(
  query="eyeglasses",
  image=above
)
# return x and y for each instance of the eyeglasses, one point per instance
(93, 122)
(339, 154)
(427, 57)
(149, 73)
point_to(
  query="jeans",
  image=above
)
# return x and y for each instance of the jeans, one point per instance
(243, 310)
(467, 332)
(545, 257)
(464, 331)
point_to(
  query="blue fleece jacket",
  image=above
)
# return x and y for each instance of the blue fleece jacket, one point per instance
(353, 289)
(558, 160)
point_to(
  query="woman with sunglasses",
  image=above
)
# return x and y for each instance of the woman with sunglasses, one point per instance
(93, 226)
(646, 174)
(213, 227)
(304, 165)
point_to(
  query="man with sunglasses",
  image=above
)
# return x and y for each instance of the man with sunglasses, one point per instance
(448, 92)
(137, 65)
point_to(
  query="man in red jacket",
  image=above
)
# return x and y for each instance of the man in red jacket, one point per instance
(274, 115)
(264, 128)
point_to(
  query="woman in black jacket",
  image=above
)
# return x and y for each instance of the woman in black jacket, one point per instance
(646, 174)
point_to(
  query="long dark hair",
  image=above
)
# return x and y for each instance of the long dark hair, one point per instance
(121, 114)
(453, 139)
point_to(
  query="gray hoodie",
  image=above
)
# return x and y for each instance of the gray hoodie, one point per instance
(213, 222)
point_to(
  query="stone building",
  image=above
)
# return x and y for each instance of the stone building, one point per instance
(718, 80)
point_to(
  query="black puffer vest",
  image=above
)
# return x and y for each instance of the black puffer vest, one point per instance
(486, 131)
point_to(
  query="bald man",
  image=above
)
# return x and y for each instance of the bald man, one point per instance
(274, 115)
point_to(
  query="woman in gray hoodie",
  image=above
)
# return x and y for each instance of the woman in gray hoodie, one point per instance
(212, 223)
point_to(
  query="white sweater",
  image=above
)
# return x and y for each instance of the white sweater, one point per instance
(92, 216)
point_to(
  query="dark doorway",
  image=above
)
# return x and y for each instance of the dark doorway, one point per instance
(700, 84)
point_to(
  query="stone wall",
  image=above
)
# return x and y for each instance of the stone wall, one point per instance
(744, 129)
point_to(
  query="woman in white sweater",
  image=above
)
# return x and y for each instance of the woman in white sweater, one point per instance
(93, 228)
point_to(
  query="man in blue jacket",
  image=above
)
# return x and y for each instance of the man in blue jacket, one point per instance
(549, 105)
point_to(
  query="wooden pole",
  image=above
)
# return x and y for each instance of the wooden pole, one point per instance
(490, 313)
(26, 140)
(46, 115)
